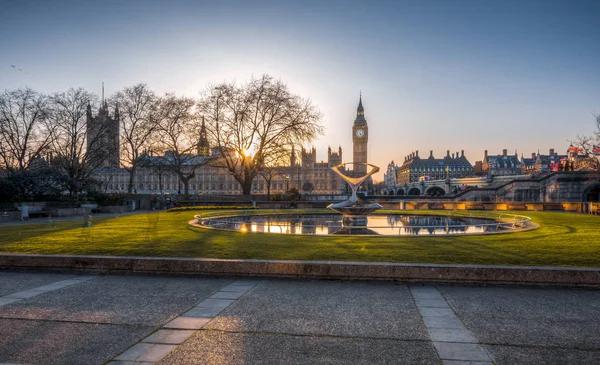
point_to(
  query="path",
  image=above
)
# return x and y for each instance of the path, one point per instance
(66, 318)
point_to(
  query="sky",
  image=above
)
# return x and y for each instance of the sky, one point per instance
(437, 75)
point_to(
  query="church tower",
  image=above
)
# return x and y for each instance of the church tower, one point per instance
(102, 134)
(360, 138)
(203, 146)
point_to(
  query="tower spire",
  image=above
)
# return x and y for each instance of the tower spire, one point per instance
(360, 110)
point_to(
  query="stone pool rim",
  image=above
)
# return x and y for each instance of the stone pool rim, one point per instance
(527, 226)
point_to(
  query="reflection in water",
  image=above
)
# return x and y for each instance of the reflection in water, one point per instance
(328, 224)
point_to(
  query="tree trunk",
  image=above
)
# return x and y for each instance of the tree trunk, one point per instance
(247, 187)
(131, 178)
(186, 185)
(269, 191)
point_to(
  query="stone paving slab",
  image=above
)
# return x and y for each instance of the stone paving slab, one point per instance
(134, 352)
(432, 303)
(200, 312)
(172, 337)
(213, 347)
(146, 352)
(436, 312)
(227, 295)
(325, 308)
(60, 343)
(5, 300)
(568, 318)
(141, 300)
(451, 335)
(187, 323)
(13, 282)
(443, 322)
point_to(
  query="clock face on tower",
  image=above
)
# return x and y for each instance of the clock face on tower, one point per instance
(360, 133)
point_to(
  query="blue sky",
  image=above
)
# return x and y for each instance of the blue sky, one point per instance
(459, 75)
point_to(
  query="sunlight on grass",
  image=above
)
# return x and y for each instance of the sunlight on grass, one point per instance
(562, 239)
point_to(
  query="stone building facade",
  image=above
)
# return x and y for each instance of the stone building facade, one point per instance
(156, 178)
(415, 168)
(503, 164)
(304, 173)
(539, 163)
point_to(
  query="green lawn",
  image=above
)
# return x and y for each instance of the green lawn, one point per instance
(562, 239)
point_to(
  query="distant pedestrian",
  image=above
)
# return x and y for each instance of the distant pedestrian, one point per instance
(24, 212)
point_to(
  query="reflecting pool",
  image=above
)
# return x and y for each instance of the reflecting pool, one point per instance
(387, 225)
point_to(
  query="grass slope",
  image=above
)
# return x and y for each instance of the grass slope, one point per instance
(561, 240)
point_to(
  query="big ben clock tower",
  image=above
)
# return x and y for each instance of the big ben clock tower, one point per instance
(360, 137)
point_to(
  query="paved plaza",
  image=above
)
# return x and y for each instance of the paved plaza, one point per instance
(75, 318)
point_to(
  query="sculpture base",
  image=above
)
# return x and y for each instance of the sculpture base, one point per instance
(354, 220)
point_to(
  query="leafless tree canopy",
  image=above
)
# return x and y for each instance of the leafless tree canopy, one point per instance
(587, 142)
(137, 105)
(70, 153)
(178, 131)
(256, 120)
(24, 129)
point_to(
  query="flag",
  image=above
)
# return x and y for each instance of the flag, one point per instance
(596, 150)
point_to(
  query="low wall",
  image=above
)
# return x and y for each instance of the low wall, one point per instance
(527, 206)
(480, 274)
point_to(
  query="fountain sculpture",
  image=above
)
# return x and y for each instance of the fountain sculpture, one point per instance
(354, 210)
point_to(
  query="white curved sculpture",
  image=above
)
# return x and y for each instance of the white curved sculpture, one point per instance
(354, 210)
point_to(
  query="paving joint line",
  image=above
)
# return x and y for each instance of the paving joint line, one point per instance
(47, 288)
(154, 347)
(541, 347)
(128, 325)
(314, 335)
(452, 341)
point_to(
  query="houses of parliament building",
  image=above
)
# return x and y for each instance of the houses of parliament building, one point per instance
(304, 169)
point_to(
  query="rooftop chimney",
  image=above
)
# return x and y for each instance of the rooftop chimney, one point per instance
(447, 153)
(485, 153)
(430, 153)
(462, 153)
(552, 152)
(504, 152)
(533, 155)
(417, 153)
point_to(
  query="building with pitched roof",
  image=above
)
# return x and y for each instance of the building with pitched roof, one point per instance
(415, 168)
(504, 164)
(539, 163)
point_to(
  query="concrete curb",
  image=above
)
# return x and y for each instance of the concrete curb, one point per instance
(473, 274)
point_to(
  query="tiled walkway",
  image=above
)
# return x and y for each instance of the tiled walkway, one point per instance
(51, 318)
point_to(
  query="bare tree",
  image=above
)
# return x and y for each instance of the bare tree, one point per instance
(247, 123)
(69, 116)
(137, 106)
(276, 164)
(25, 133)
(179, 133)
(588, 145)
